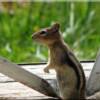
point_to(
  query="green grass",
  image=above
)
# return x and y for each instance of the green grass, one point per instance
(80, 25)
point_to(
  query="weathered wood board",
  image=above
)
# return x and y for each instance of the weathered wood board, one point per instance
(25, 77)
(12, 90)
(93, 83)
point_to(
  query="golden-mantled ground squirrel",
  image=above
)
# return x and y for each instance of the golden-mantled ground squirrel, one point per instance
(70, 74)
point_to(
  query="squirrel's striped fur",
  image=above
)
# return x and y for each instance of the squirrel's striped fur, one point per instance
(70, 74)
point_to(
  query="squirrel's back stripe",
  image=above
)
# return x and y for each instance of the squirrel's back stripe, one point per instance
(68, 61)
(78, 69)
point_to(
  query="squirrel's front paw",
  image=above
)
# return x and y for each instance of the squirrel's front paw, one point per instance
(46, 70)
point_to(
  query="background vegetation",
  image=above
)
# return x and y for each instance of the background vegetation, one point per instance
(80, 26)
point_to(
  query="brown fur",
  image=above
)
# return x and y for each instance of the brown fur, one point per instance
(70, 75)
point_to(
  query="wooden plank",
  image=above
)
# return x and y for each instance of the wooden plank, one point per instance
(9, 89)
(93, 84)
(23, 76)
(38, 70)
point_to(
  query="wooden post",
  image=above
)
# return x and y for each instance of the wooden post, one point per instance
(93, 83)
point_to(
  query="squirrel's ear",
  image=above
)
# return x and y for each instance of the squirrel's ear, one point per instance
(56, 27)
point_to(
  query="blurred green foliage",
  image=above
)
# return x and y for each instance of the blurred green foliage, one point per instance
(80, 26)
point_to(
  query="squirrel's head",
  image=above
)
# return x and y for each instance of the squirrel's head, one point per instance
(48, 35)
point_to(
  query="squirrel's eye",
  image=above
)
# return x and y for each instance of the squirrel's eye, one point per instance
(43, 33)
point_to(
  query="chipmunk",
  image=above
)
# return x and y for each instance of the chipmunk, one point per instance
(69, 72)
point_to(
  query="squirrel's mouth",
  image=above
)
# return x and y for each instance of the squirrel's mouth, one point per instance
(34, 37)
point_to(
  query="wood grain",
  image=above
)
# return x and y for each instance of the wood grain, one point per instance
(12, 90)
